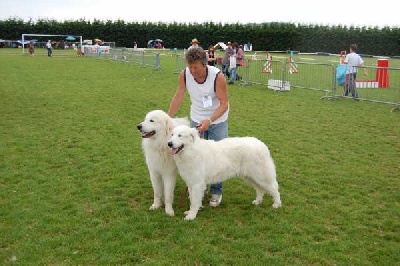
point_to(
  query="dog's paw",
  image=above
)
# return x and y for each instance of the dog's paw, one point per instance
(276, 205)
(154, 207)
(190, 217)
(257, 202)
(170, 212)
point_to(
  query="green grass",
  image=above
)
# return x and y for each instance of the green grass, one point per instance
(75, 188)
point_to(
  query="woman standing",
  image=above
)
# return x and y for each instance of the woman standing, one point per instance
(225, 61)
(209, 108)
(212, 57)
(236, 60)
(31, 48)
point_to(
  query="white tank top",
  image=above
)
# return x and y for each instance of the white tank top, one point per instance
(201, 93)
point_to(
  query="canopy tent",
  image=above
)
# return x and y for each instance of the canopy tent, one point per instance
(27, 41)
(70, 38)
(220, 45)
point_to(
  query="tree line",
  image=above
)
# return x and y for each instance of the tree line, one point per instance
(273, 36)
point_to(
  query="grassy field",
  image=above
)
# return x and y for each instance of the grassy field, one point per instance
(75, 188)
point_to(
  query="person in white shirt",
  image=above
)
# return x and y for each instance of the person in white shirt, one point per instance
(209, 107)
(49, 48)
(195, 43)
(353, 61)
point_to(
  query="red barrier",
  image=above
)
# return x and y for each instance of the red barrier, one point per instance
(382, 74)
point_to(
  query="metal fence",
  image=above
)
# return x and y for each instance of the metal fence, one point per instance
(140, 57)
(282, 76)
(180, 63)
(382, 84)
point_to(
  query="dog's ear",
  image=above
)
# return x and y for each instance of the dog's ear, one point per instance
(194, 134)
(169, 125)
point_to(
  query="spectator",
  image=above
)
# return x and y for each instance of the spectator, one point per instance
(225, 60)
(239, 60)
(49, 48)
(31, 48)
(211, 56)
(233, 63)
(353, 61)
(195, 43)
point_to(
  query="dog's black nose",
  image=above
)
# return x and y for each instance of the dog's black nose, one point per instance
(170, 144)
(139, 126)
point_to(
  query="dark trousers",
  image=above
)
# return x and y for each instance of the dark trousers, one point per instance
(350, 85)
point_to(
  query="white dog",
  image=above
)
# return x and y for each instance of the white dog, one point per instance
(201, 162)
(156, 129)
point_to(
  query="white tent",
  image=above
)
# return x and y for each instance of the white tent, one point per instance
(220, 45)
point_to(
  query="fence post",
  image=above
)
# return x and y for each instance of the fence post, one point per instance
(157, 66)
(245, 77)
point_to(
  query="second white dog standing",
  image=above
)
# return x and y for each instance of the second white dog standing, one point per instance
(156, 129)
(201, 162)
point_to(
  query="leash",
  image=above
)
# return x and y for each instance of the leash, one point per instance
(184, 197)
(185, 194)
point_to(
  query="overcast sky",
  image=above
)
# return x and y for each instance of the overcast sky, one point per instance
(339, 12)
